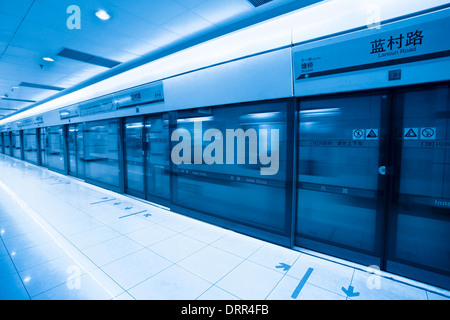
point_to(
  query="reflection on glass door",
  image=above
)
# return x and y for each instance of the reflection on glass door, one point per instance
(157, 157)
(72, 146)
(134, 157)
(419, 224)
(340, 191)
(43, 146)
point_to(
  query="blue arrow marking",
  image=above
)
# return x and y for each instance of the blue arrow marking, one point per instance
(349, 292)
(147, 215)
(301, 284)
(284, 266)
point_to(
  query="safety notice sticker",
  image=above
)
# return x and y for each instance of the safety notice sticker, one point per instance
(428, 133)
(410, 133)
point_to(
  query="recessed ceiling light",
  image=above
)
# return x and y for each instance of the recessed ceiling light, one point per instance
(48, 59)
(102, 14)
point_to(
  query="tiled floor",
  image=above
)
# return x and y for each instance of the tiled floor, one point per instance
(63, 239)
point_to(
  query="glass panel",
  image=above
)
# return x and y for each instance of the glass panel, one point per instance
(7, 141)
(16, 145)
(80, 150)
(134, 156)
(30, 146)
(44, 146)
(55, 148)
(101, 151)
(420, 224)
(338, 180)
(232, 186)
(158, 157)
(1, 142)
(72, 145)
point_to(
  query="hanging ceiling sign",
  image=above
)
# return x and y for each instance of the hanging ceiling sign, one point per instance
(387, 46)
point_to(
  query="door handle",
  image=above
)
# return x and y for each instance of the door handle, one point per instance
(385, 170)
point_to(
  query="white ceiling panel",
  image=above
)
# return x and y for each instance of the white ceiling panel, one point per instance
(219, 11)
(188, 24)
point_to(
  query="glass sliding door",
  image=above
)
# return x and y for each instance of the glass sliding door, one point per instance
(340, 191)
(134, 156)
(157, 153)
(16, 144)
(43, 146)
(373, 181)
(30, 145)
(7, 143)
(419, 220)
(72, 132)
(55, 148)
(101, 153)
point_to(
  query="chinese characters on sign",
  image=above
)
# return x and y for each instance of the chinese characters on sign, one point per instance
(307, 64)
(402, 43)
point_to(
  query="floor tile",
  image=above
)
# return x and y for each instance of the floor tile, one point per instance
(83, 287)
(37, 255)
(291, 289)
(179, 223)
(111, 250)
(210, 263)
(275, 257)
(92, 237)
(82, 225)
(371, 286)
(325, 274)
(215, 293)
(177, 247)
(250, 281)
(129, 224)
(206, 233)
(238, 244)
(136, 267)
(174, 283)
(151, 234)
(12, 288)
(47, 275)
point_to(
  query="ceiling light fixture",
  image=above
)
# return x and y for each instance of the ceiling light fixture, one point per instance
(102, 14)
(48, 59)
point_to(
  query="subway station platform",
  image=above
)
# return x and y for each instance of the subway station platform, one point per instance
(64, 239)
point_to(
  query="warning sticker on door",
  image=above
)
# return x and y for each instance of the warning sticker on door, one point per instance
(410, 133)
(372, 134)
(365, 134)
(428, 133)
(358, 134)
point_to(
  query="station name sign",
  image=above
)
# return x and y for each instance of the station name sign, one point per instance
(373, 48)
